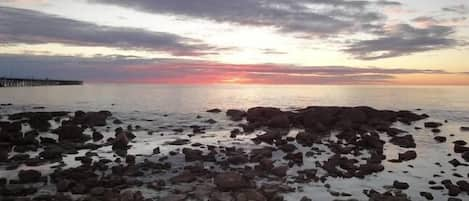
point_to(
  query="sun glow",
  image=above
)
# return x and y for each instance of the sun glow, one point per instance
(235, 80)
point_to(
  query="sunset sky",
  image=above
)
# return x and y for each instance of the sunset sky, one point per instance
(237, 41)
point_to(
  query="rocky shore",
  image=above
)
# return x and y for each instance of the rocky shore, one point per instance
(286, 149)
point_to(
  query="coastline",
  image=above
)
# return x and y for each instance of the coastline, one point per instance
(261, 153)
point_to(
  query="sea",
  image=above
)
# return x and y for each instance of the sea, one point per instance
(158, 108)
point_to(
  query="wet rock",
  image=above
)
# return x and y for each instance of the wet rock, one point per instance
(97, 136)
(400, 185)
(40, 121)
(17, 190)
(91, 119)
(460, 142)
(355, 115)
(3, 155)
(464, 128)
(387, 196)
(440, 139)
(70, 133)
(78, 189)
(432, 124)
(456, 163)
(426, 195)
(306, 139)
(179, 142)
(156, 150)
(47, 140)
(266, 164)
(29, 176)
(460, 148)
(407, 156)
(235, 115)
(453, 190)
(130, 159)
(215, 110)
(121, 142)
(230, 181)
(304, 198)
(269, 137)
(53, 152)
(287, 147)
(250, 195)
(296, 158)
(193, 154)
(262, 114)
(279, 121)
(185, 177)
(280, 171)
(406, 141)
(221, 196)
(117, 122)
(463, 185)
(465, 156)
(234, 133)
(211, 121)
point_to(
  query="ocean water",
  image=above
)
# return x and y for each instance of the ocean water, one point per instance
(197, 98)
(160, 108)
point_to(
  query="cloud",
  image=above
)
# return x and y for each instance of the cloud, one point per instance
(32, 27)
(403, 39)
(307, 17)
(458, 9)
(120, 68)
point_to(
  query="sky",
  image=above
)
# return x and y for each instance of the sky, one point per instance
(395, 42)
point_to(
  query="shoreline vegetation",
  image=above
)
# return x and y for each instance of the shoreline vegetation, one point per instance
(207, 171)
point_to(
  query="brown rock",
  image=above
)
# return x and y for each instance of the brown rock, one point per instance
(230, 181)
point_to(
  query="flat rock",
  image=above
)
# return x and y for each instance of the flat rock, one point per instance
(432, 124)
(230, 181)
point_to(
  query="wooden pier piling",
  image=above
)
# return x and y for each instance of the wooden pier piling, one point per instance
(21, 82)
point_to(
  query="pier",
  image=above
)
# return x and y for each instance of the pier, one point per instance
(21, 82)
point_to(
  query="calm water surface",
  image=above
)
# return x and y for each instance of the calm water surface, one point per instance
(196, 98)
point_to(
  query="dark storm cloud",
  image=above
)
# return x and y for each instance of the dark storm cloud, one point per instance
(403, 39)
(32, 27)
(310, 17)
(125, 68)
(458, 9)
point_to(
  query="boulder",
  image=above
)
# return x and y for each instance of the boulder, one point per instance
(400, 185)
(262, 114)
(70, 132)
(465, 156)
(235, 115)
(192, 154)
(407, 156)
(97, 136)
(215, 110)
(280, 171)
(406, 141)
(121, 142)
(426, 195)
(230, 181)
(440, 139)
(279, 121)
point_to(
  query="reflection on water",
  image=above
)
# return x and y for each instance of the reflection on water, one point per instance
(196, 98)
